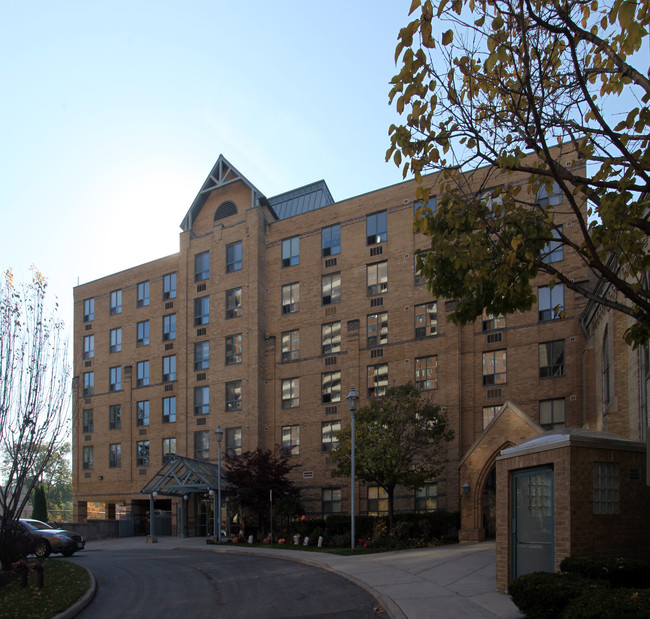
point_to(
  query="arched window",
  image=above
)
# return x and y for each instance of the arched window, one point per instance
(226, 209)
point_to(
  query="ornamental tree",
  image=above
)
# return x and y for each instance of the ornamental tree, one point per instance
(399, 441)
(558, 91)
(251, 476)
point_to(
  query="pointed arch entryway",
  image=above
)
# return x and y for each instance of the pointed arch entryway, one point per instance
(477, 469)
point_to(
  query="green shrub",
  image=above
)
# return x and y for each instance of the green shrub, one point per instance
(619, 571)
(609, 604)
(544, 595)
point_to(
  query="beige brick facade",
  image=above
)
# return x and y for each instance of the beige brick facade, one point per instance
(262, 369)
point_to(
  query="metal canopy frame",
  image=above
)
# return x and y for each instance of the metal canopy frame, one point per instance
(181, 476)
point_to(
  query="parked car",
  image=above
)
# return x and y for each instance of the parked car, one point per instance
(49, 540)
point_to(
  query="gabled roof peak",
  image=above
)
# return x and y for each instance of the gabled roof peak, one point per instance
(223, 173)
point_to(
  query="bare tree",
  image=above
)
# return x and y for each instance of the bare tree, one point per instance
(34, 389)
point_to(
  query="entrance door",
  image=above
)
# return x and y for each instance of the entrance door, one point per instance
(532, 521)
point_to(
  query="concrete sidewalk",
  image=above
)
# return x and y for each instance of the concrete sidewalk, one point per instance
(447, 581)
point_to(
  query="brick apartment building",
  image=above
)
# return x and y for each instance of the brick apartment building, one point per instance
(270, 312)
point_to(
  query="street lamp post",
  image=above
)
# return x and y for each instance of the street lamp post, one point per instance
(353, 402)
(219, 436)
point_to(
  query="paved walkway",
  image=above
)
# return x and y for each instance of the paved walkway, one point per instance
(445, 582)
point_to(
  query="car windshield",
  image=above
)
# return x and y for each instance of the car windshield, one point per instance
(36, 524)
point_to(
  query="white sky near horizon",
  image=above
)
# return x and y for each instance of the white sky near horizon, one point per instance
(113, 114)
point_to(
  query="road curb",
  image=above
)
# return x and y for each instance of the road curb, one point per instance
(82, 602)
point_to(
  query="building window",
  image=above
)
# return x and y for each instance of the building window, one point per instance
(169, 327)
(494, 367)
(290, 298)
(143, 333)
(551, 302)
(330, 240)
(377, 278)
(418, 278)
(426, 319)
(88, 458)
(89, 384)
(331, 289)
(426, 498)
(142, 373)
(142, 453)
(544, 199)
(376, 228)
(489, 413)
(233, 303)
(331, 387)
(428, 209)
(291, 440)
(234, 257)
(142, 413)
(290, 393)
(116, 340)
(377, 329)
(168, 449)
(201, 356)
(551, 359)
(233, 441)
(233, 396)
(115, 378)
(143, 294)
(426, 373)
(114, 417)
(554, 250)
(606, 487)
(115, 455)
(233, 349)
(331, 338)
(116, 302)
(552, 414)
(328, 432)
(169, 286)
(89, 310)
(377, 501)
(202, 445)
(169, 409)
(291, 251)
(169, 369)
(605, 355)
(201, 311)
(290, 345)
(331, 500)
(201, 400)
(201, 266)
(87, 420)
(491, 322)
(89, 346)
(377, 380)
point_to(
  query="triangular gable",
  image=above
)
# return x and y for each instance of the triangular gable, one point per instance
(222, 174)
(510, 424)
(182, 476)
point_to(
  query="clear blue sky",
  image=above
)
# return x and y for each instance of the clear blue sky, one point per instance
(113, 114)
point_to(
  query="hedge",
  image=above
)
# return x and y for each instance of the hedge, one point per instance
(619, 571)
(544, 595)
(610, 604)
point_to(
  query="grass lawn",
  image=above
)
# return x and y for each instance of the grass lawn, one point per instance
(64, 584)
